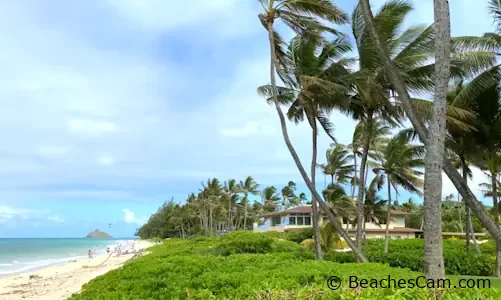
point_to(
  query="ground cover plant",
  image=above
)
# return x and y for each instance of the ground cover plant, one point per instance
(245, 265)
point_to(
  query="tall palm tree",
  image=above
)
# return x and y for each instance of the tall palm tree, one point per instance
(230, 189)
(373, 98)
(460, 145)
(310, 95)
(338, 201)
(487, 137)
(270, 198)
(246, 187)
(338, 164)
(299, 16)
(398, 162)
(288, 194)
(401, 87)
(374, 209)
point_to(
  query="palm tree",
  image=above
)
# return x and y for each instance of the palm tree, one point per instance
(460, 145)
(339, 202)
(288, 194)
(397, 163)
(248, 186)
(270, 198)
(230, 189)
(401, 87)
(372, 98)
(338, 164)
(310, 95)
(373, 205)
(299, 16)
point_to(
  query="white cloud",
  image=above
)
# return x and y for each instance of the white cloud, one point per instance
(105, 160)
(249, 128)
(52, 150)
(92, 127)
(56, 219)
(164, 15)
(83, 85)
(8, 213)
(130, 217)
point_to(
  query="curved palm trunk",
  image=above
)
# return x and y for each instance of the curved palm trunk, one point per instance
(388, 215)
(496, 217)
(361, 184)
(356, 250)
(315, 215)
(355, 166)
(229, 211)
(245, 212)
(470, 233)
(422, 131)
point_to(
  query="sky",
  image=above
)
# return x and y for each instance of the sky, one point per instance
(111, 107)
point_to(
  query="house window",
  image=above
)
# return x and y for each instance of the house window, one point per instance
(300, 219)
(275, 221)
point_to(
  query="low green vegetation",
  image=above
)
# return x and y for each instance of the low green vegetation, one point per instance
(245, 265)
(409, 254)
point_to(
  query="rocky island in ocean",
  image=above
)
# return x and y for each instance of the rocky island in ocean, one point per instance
(99, 235)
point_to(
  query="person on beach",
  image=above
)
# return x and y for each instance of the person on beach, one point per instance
(90, 253)
(108, 250)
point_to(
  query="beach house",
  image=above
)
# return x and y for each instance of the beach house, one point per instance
(301, 217)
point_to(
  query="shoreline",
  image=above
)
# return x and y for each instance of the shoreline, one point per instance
(61, 280)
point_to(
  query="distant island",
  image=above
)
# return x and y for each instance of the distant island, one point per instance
(97, 234)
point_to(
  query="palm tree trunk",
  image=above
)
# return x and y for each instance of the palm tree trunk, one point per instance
(315, 215)
(245, 217)
(433, 254)
(366, 243)
(332, 217)
(230, 196)
(422, 131)
(388, 215)
(355, 167)
(467, 210)
(496, 217)
(361, 184)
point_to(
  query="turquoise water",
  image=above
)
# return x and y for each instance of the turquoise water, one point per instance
(21, 255)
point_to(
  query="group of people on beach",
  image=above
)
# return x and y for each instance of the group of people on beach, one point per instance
(117, 250)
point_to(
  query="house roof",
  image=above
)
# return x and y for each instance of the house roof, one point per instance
(306, 209)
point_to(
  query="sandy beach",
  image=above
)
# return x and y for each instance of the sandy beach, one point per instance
(61, 281)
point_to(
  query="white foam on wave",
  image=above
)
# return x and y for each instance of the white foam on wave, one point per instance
(16, 267)
(20, 267)
(5, 265)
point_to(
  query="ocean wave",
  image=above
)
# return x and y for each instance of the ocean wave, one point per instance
(6, 265)
(17, 267)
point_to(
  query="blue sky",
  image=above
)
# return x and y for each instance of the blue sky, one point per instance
(111, 107)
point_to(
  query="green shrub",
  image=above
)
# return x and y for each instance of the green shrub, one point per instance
(187, 269)
(308, 245)
(299, 235)
(409, 254)
(168, 273)
(250, 242)
(276, 234)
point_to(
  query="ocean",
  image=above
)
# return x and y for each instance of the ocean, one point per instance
(21, 255)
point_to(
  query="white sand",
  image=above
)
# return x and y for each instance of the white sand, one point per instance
(60, 282)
